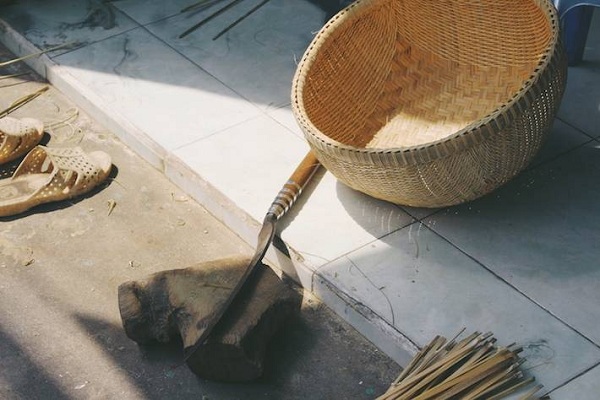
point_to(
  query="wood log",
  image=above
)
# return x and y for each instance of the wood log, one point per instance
(177, 303)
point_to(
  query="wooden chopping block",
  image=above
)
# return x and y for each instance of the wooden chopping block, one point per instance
(177, 302)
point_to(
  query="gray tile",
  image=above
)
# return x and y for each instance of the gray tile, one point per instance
(285, 117)
(561, 139)
(248, 163)
(581, 102)
(585, 387)
(424, 286)
(334, 220)
(47, 23)
(166, 96)
(420, 212)
(540, 233)
(592, 45)
(147, 11)
(384, 336)
(258, 57)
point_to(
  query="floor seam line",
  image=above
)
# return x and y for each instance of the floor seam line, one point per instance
(197, 65)
(579, 375)
(516, 289)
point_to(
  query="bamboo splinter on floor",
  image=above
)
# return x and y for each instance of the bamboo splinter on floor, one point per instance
(474, 368)
(209, 18)
(240, 19)
(22, 101)
(36, 54)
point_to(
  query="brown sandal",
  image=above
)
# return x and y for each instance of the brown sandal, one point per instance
(52, 174)
(18, 136)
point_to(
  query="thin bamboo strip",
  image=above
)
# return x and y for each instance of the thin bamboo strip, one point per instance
(494, 375)
(22, 101)
(14, 75)
(72, 115)
(431, 353)
(240, 19)
(474, 359)
(511, 389)
(492, 383)
(472, 374)
(529, 395)
(36, 54)
(209, 18)
(470, 360)
(422, 359)
(416, 360)
(460, 386)
(513, 373)
(196, 4)
(473, 368)
(427, 375)
(509, 382)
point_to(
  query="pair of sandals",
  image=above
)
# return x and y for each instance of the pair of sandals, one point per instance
(46, 174)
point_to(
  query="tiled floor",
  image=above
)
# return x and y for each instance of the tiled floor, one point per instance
(522, 262)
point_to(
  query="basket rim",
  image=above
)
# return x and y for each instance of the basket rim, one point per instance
(467, 137)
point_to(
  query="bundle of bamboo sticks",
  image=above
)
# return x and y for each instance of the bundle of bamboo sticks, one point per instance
(474, 368)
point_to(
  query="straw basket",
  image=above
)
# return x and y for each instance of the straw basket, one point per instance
(431, 103)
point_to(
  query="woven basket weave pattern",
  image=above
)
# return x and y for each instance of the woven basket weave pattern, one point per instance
(431, 103)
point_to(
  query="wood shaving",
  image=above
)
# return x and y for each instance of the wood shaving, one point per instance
(111, 206)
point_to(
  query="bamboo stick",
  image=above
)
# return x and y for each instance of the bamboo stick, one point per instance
(417, 361)
(529, 394)
(426, 375)
(473, 368)
(209, 18)
(14, 75)
(482, 370)
(491, 384)
(22, 101)
(240, 19)
(197, 4)
(36, 54)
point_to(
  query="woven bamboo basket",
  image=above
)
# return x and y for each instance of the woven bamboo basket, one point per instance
(431, 103)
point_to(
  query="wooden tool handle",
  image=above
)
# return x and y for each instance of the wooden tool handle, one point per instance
(293, 187)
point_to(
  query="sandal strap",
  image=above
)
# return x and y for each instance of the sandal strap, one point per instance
(70, 169)
(17, 136)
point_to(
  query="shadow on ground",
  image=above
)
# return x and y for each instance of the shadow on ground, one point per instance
(315, 356)
(18, 372)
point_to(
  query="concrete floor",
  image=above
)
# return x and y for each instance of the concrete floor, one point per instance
(61, 264)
